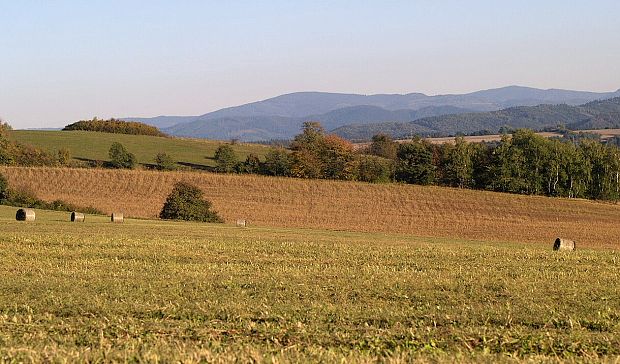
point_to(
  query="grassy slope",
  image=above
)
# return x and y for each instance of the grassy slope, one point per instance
(337, 205)
(95, 146)
(152, 290)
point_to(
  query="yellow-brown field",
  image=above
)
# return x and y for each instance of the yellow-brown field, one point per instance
(285, 202)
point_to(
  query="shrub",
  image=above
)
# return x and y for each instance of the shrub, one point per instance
(63, 156)
(24, 197)
(120, 157)
(6, 155)
(4, 188)
(164, 162)
(5, 129)
(251, 165)
(27, 155)
(186, 202)
(27, 198)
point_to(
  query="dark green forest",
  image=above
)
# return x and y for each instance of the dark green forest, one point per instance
(601, 114)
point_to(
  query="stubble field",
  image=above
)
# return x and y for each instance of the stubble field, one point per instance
(148, 291)
(338, 205)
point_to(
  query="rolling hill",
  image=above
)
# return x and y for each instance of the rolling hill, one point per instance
(336, 205)
(281, 117)
(94, 146)
(255, 128)
(600, 114)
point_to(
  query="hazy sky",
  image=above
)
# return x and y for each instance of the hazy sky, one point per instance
(61, 61)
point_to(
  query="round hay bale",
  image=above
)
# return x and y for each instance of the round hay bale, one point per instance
(117, 217)
(77, 217)
(25, 215)
(563, 244)
(242, 223)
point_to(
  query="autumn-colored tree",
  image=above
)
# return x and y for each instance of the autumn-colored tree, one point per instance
(317, 155)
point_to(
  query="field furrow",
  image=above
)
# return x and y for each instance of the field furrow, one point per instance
(336, 205)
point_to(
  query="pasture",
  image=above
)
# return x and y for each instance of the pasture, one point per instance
(94, 146)
(337, 205)
(147, 291)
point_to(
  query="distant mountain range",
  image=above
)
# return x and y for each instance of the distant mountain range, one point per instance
(281, 117)
(600, 114)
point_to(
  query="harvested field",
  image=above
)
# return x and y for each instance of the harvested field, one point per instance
(352, 206)
(151, 291)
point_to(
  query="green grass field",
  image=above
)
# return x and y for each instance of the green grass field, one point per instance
(147, 291)
(95, 146)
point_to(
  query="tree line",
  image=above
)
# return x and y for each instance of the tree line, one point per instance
(522, 162)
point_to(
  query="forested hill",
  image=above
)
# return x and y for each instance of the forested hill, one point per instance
(281, 117)
(599, 114)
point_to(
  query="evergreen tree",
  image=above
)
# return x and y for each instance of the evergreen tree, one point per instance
(225, 159)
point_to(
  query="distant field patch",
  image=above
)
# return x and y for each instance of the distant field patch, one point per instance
(604, 133)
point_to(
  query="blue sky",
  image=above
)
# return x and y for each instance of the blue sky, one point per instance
(61, 61)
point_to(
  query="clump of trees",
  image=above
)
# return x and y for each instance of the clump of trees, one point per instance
(522, 162)
(187, 202)
(115, 126)
(312, 154)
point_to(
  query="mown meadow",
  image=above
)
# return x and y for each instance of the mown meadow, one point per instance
(148, 291)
